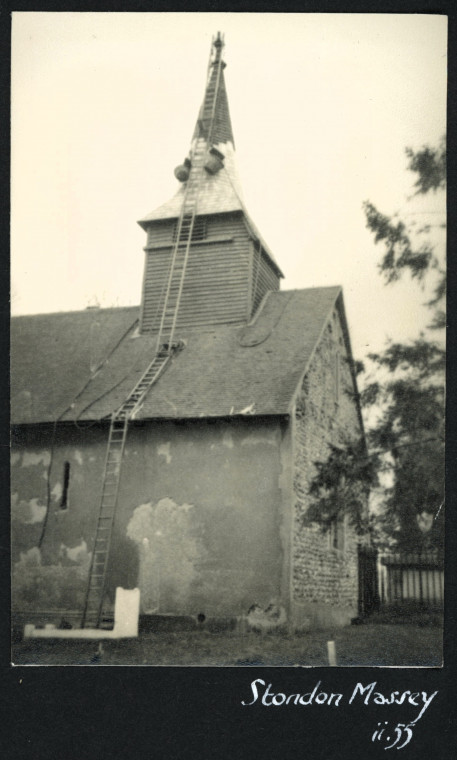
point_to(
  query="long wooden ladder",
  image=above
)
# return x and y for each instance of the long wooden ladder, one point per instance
(165, 348)
(110, 488)
(189, 208)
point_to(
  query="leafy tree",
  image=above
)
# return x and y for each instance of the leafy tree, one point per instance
(409, 389)
(341, 485)
(406, 440)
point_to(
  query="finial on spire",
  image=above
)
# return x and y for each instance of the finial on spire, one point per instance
(218, 43)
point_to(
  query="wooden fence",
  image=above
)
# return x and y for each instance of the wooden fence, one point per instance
(415, 578)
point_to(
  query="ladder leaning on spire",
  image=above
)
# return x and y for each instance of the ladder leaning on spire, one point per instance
(189, 208)
(165, 348)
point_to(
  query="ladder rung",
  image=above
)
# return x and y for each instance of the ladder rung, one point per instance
(120, 420)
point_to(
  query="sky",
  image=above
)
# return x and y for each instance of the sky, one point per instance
(322, 107)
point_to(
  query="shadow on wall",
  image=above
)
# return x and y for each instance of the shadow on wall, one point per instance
(169, 548)
(123, 566)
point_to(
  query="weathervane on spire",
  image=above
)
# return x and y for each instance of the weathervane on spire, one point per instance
(218, 43)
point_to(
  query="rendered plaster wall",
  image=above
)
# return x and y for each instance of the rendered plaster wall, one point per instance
(201, 523)
(324, 578)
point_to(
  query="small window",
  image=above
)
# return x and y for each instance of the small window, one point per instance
(198, 228)
(66, 483)
(337, 534)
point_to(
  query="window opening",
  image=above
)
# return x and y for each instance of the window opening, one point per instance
(66, 483)
(337, 534)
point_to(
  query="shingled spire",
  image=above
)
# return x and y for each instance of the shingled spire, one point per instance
(215, 127)
(220, 189)
(225, 274)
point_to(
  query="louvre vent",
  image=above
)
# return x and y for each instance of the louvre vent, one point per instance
(198, 230)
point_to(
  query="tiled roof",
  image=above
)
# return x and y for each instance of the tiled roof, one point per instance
(228, 370)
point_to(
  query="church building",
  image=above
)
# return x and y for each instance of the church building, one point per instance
(171, 446)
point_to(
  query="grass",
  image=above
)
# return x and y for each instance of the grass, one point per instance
(375, 644)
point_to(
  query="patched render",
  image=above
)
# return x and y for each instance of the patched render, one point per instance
(254, 439)
(78, 554)
(27, 512)
(163, 450)
(56, 492)
(30, 459)
(227, 440)
(78, 456)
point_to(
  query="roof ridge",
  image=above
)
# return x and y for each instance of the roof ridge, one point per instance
(88, 310)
